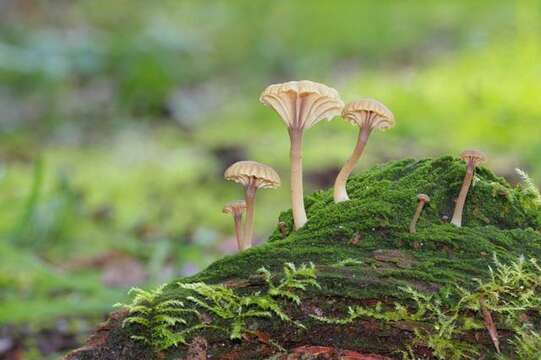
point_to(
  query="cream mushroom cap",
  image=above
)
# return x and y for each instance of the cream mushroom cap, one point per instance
(423, 197)
(474, 155)
(360, 111)
(302, 104)
(235, 207)
(253, 173)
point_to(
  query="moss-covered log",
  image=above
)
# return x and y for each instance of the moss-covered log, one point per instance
(375, 291)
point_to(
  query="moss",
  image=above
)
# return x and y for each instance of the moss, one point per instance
(382, 203)
(372, 228)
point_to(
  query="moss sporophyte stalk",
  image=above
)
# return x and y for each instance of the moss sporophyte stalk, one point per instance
(443, 291)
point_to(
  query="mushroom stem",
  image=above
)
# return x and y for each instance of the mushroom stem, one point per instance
(297, 196)
(413, 224)
(340, 192)
(238, 229)
(249, 195)
(461, 200)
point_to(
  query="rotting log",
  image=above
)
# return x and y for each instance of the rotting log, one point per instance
(363, 256)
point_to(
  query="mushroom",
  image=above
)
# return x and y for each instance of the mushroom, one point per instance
(301, 104)
(423, 199)
(472, 158)
(368, 114)
(236, 209)
(252, 175)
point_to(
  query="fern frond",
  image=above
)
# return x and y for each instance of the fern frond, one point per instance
(170, 320)
(170, 302)
(529, 188)
(136, 320)
(140, 338)
(163, 325)
(236, 329)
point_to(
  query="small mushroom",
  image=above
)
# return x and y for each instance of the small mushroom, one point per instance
(472, 158)
(368, 114)
(236, 209)
(283, 229)
(252, 175)
(423, 199)
(301, 104)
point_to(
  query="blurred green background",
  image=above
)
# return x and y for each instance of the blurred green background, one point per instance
(117, 119)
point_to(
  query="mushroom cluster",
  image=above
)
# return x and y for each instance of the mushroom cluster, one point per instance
(301, 105)
(252, 176)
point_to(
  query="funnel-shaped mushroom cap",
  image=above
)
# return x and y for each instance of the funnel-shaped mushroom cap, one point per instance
(474, 155)
(302, 104)
(236, 207)
(423, 197)
(369, 110)
(253, 173)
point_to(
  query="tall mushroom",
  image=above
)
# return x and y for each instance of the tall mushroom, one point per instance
(423, 199)
(301, 104)
(472, 158)
(252, 175)
(236, 209)
(368, 114)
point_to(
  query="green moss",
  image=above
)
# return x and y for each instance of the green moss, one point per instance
(164, 322)
(382, 203)
(372, 229)
(443, 319)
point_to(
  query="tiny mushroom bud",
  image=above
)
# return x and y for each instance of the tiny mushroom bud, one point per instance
(236, 209)
(423, 199)
(283, 229)
(252, 175)
(301, 104)
(472, 158)
(367, 114)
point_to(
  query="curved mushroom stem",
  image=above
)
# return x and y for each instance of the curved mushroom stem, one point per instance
(340, 192)
(413, 224)
(249, 194)
(461, 200)
(238, 230)
(297, 196)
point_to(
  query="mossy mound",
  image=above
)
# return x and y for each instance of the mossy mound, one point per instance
(363, 252)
